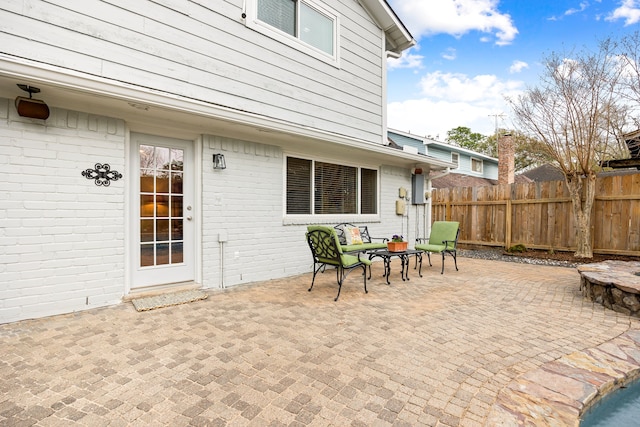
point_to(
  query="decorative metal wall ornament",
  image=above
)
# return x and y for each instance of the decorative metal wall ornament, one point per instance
(102, 174)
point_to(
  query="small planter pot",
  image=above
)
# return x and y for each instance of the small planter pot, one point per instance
(397, 246)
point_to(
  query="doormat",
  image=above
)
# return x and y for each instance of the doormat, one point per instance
(166, 300)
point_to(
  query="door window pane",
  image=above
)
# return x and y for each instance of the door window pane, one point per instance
(177, 253)
(177, 159)
(162, 206)
(146, 230)
(147, 255)
(162, 230)
(162, 254)
(146, 181)
(177, 231)
(147, 206)
(176, 183)
(176, 206)
(162, 158)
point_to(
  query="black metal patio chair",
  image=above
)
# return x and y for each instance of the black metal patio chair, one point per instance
(326, 250)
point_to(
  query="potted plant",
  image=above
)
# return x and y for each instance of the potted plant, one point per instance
(397, 244)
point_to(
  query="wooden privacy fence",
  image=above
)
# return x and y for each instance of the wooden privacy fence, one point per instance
(539, 215)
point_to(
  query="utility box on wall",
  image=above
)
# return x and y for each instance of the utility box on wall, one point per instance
(417, 190)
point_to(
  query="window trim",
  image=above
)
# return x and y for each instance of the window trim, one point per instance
(295, 42)
(481, 165)
(313, 217)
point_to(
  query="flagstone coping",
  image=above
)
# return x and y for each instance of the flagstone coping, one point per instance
(560, 391)
(614, 284)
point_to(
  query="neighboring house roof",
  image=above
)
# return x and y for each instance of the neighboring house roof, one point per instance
(632, 139)
(398, 37)
(456, 149)
(461, 180)
(406, 138)
(543, 173)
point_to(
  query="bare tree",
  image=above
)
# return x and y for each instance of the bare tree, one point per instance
(575, 113)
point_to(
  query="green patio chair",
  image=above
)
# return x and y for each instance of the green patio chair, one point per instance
(443, 239)
(326, 250)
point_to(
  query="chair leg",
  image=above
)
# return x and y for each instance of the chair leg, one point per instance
(455, 259)
(315, 271)
(442, 272)
(340, 277)
(364, 269)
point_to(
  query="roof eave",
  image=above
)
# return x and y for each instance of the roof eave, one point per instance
(397, 33)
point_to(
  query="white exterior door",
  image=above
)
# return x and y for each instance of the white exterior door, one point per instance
(163, 224)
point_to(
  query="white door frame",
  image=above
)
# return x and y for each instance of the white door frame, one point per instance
(132, 206)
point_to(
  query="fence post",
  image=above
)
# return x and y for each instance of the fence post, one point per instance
(507, 223)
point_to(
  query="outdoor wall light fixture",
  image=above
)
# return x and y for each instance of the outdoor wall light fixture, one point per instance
(219, 162)
(29, 107)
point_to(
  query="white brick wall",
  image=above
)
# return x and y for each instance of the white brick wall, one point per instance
(61, 236)
(245, 202)
(62, 242)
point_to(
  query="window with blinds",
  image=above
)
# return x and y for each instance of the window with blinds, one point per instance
(337, 189)
(278, 13)
(301, 19)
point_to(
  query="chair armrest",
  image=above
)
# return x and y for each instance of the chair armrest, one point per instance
(421, 239)
(384, 239)
(446, 243)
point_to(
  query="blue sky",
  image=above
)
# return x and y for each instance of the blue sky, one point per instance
(472, 53)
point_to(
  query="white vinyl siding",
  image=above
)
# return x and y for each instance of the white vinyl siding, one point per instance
(207, 53)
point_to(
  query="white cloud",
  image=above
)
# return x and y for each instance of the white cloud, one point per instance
(452, 100)
(409, 59)
(582, 8)
(456, 17)
(450, 54)
(405, 61)
(629, 10)
(517, 66)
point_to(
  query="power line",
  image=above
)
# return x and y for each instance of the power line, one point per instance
(497, 116)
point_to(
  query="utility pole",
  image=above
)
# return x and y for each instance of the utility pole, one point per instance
(496, 117)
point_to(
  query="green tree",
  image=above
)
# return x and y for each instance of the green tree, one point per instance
(529, 152)
(463, 137)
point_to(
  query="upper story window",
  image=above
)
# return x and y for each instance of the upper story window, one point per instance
(302, 24)
(476, 165)
(455, 158)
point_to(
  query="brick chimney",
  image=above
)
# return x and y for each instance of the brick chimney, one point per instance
(506, 159)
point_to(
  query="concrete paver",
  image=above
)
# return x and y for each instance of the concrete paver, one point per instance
(436, 350)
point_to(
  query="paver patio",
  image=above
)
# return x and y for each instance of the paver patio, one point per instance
(432, 351)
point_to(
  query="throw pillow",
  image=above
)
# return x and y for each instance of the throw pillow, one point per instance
(352, 235)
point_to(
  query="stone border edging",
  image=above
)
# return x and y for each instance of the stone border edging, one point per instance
(558, 392)
(614, 284)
